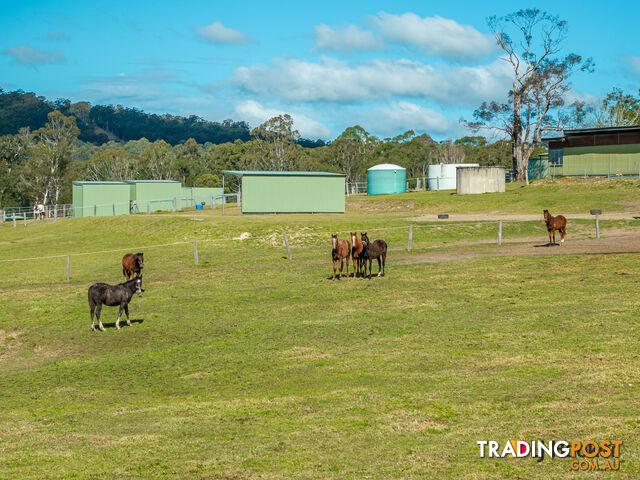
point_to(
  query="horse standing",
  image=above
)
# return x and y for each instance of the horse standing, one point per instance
(132, 264)
(555, 223)
(339, 253)
(112, 295)
(377, 250)
(357, 254)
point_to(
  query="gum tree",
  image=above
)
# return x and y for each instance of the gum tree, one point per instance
(532, 42)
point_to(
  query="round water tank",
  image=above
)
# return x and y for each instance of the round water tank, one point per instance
(386, 178)
(443, 175)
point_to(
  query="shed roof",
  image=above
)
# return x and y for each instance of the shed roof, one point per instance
(78, 182)
(151, 181)
(289, 174)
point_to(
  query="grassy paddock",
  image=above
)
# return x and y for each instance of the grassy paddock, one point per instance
(251, 366)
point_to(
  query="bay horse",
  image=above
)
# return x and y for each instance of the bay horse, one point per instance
(132, 264)
(555, 223)
(357, 254)
(340, 251)
(377, 250)
(113, 295)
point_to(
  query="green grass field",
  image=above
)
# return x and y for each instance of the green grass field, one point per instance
(253, 366)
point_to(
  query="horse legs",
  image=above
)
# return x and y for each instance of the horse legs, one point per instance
(346, 260)
(563, 232)
(384, 260)
(370, 261)
(554, 235)
(93, 309)
(379, 266)
(334, 270)
(119, 315)
(98, 310)
(126, 311)
(341, 266)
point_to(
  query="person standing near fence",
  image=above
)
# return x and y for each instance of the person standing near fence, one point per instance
(35, 210)
(40, 210)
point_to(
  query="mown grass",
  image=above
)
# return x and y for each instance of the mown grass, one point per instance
(251, 366)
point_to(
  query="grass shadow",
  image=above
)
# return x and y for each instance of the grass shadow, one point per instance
(123, 323)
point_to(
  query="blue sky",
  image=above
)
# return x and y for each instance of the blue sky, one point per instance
(388, 66)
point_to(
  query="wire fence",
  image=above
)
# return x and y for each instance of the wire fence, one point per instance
(285, 240)
(54, 212)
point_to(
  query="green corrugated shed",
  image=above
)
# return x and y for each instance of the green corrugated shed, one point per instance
(291, 192)
(538, 168)
(159, 192)
(602, 160)
(101, 197)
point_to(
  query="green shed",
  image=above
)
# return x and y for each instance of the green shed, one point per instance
(100, 198)
(159, 194)
(610, 151)
(290, 192)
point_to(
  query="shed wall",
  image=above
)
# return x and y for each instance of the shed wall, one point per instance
(602, 160)
(103, 197)
(292, 194)
(160, 194)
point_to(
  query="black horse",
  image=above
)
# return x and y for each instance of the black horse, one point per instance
(112, 295)
(377, 250)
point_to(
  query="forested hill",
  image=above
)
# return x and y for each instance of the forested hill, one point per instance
(99, 123)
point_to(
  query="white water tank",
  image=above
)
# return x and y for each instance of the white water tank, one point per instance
(443, 175)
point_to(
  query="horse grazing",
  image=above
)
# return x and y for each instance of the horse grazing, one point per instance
(112, 295)
(377, 250)
(555, 223)
(132, 264)
(339, 253)
(357, 254)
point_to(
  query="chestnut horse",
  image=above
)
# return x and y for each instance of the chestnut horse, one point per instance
(339, 253)
(555, 223)
(377, 250)
(132, 264)
(357, 254)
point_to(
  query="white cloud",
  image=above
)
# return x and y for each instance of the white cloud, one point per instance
(435, 35)
(634, 63)
(347, 38)
(255, 113)
(27, 55)
(403, 116)
(53, 35)
(332, 80)
(218, 33)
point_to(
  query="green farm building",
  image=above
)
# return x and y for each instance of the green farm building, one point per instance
(290, 192)
(197, 195)
(156, 194)
(610, 152)
(100, 198)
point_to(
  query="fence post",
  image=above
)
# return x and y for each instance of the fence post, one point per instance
(14, 219)
(113, 207)
(24, 217)
(68, 265)
(195, 251)
(597, 227)
(410, 238)
(174, 205)
(64, 211)
(2, 214)
(286, 244)
(95, 210)
(148, 207)
(499, 232)
(55, 213)
(213, 201)
(223, 201)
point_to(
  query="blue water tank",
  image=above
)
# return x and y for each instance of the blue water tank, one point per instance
(386, 178)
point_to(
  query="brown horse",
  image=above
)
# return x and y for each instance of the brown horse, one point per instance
(132, 264)
(555, 223)
(357, 254)
(339, 253)
(377, 250)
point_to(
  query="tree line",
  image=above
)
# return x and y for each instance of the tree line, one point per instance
(41, 164)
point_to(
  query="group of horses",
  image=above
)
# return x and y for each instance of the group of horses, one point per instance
(118, 295)
(360, 250)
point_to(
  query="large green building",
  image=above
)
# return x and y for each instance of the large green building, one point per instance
(290, 192)
(611, 152)
(100, 198)
(156, 194)
(197, 195)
